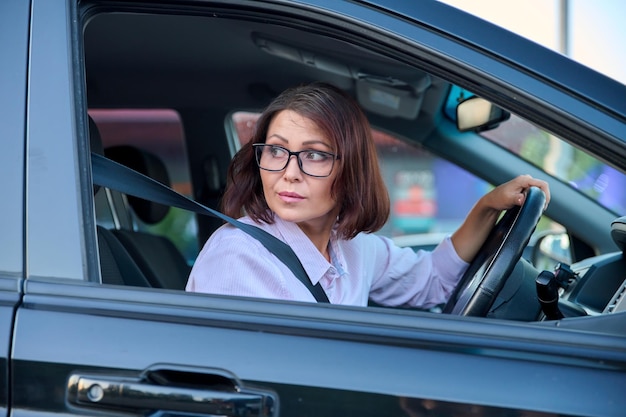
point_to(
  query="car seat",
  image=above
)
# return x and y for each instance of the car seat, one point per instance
(116, 265)
(158, 258)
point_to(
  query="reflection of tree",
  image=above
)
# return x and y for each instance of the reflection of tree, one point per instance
(565, 162)
(582, 162)
(535, 147)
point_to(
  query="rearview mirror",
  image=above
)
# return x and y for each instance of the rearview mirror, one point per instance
(477, 114)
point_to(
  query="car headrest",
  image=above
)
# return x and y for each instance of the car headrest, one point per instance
(149, 165)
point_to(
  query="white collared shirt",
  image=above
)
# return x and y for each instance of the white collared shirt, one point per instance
(366, 267)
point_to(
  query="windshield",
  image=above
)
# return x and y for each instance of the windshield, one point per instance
(556, 157)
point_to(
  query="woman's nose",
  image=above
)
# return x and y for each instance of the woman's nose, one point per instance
(292, 170)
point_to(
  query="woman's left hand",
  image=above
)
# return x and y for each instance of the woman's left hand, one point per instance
(468, 239)
(512, 193)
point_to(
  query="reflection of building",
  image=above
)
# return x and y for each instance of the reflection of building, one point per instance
(414, 204)
(606, 184)
(428, 194)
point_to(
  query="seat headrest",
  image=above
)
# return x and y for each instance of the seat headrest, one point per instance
(149, 165)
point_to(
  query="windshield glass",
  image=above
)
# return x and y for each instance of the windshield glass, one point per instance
(556, 157)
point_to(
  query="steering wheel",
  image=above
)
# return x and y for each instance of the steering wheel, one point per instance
(487, 273)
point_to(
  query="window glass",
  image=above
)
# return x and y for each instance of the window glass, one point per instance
(160, 132)
(556, 157)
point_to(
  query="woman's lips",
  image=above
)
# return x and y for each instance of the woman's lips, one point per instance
(290, 197)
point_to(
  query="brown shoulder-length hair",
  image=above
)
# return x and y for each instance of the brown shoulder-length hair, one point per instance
(358, 187)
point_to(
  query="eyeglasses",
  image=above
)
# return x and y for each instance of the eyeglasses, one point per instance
(311, 162)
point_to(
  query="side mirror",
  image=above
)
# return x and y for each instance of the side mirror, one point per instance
(551, 249)
(477, 114)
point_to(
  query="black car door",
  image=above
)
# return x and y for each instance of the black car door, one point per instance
(14, 19)
(83, 348)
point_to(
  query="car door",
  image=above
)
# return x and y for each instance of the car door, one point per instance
(83, 348)
(14, 16)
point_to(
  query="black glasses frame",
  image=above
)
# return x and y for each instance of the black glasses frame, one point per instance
(258, 147)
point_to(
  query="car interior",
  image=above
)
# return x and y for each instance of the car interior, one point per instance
(213, 66)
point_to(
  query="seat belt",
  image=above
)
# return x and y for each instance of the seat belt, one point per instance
(110, 174)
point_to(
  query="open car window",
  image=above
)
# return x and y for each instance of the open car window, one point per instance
(434, 171)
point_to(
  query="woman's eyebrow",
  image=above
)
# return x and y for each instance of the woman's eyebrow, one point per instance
(317, 142)
(306, 143)
(277, 136)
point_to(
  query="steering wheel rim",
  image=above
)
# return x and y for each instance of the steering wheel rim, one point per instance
(487, 273)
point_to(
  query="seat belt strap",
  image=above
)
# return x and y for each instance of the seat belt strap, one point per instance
(110, 174)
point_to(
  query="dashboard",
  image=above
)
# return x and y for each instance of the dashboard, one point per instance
(598, 284)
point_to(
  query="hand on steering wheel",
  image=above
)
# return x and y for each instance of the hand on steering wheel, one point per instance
(494, 262)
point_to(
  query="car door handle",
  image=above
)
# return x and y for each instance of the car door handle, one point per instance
(177, 390)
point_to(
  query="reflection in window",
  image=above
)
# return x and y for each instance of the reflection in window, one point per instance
(556, 157)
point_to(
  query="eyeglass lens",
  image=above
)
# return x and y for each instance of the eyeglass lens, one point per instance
(311, 162)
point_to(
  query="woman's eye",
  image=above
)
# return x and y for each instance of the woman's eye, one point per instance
(277, 152)
(315, 156)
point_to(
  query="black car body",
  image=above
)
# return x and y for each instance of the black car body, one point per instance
(71, 345)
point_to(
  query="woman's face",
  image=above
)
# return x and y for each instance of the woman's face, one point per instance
(293, 195)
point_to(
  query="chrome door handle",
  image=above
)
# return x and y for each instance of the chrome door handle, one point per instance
(143, 393)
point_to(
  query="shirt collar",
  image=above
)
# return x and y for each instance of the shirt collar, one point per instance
(312, 260)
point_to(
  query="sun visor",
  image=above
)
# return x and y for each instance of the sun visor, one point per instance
(302, 56)
(377, 93)
(391, 98)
